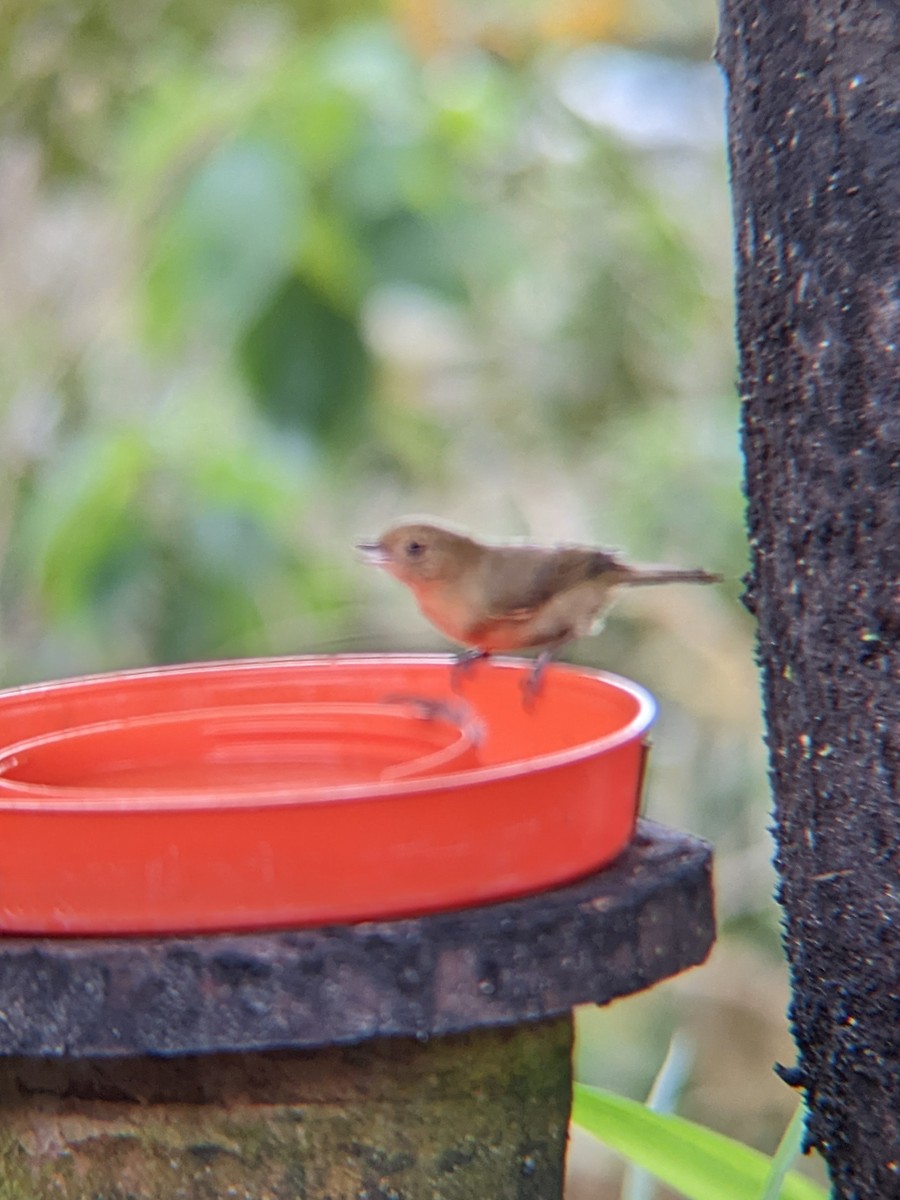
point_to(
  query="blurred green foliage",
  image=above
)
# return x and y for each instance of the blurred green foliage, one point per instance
(273, 275)
(298, 264)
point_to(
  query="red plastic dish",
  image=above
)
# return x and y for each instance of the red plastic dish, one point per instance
(306, 791)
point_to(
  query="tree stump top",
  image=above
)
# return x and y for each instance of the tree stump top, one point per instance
(617, 931)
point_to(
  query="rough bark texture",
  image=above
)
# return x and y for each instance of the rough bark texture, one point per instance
(476, 1115)
(814, 114)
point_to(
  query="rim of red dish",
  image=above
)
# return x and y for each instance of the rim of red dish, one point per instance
(278, 796)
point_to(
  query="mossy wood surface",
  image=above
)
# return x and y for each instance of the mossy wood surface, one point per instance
(474, 1115)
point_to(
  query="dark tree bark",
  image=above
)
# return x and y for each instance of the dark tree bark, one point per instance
(814, 126)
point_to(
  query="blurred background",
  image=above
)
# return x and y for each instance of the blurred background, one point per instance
(274, 274)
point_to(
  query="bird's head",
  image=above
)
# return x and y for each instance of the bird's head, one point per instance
(418, 553)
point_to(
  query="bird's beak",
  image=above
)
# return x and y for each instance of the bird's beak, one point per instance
(374, 553)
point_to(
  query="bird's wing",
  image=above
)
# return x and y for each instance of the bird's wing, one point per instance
(522, 579)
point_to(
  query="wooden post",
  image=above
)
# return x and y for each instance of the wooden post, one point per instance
(475, 1114)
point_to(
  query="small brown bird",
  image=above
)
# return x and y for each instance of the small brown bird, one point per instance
(509, 596)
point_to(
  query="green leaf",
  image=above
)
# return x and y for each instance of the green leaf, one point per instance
(306, 112)
(695, 1161)
(85, 520)
(788, 1149)
(405, 248)
(226, 243)
(308, 366)
(172, 128)
(334, 260)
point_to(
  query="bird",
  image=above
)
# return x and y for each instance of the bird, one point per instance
(507, 596)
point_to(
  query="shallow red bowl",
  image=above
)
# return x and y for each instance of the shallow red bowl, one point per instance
(207, 797)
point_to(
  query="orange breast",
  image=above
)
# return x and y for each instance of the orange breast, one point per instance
(451, 613)
(446, 610)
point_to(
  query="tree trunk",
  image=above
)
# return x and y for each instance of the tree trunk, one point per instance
(814, 115)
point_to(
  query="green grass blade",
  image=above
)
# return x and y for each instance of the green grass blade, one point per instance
(695, 1161)
(788, 1149)
(639, 1184)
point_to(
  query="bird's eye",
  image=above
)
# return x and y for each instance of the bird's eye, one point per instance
(414, 549)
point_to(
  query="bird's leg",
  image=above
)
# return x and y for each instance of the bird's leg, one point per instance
(534, 680)
(464, 663)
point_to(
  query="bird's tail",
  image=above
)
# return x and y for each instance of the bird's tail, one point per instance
(660, 574)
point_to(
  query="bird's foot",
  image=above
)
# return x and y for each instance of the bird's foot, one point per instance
(534, 680)
(465, 660)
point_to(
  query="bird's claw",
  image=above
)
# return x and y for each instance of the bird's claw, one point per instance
(464, 663)
(534, 680)
(533, 683)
